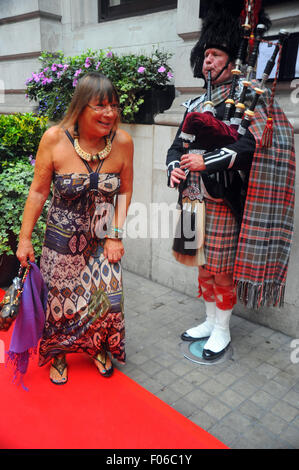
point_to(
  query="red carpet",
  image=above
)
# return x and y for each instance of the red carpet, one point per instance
(89, 412)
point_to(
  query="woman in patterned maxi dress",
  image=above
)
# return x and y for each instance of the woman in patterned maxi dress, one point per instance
(82, 249)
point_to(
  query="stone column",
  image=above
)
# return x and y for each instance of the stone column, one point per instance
(26, 29)
(188, 28)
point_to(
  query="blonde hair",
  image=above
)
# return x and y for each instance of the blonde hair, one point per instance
(92, 85)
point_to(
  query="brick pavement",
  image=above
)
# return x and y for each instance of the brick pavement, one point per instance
(250, 401)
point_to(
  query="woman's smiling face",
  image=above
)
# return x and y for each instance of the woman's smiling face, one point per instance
(100, 116)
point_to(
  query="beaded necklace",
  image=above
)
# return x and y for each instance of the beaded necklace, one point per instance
(98, 156)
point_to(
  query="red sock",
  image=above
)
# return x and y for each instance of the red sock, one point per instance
(206, 288)
(225, 296)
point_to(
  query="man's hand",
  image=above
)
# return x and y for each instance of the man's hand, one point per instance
(176, 176)
(192, 162)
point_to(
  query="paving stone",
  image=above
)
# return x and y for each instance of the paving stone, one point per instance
(224, 433)
(182, 368)
(196, 377)
(275, 389)
(248, 402)
(285, 411)
(168, 395)
(182, 386)
(203, 420)
(280, 360)
(263, 331)
(264, 399)
(285, 379)
(274, 423)
(244, 387)
(267, 370)
(183, 406)
(213, 387)
(151, 385)
(199, 398)
(292, 398)
(150, 367)
(291, 435)
(257, 437)
(251, 410)
(166, 377)
(139, 358)
(237, 420)
(216, 408)
(231, 398)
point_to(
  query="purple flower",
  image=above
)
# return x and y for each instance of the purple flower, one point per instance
(98, 64)
(77, 73)
(35, 77)
(29, 80)
(162, 69)
(54, 67)
(109, 54)
(141, 70)
(87, 62)
(75, 81)
(46, 69)
(170, 75)
(66, 66)
(59, 74)
(47, 80)
(31, 160)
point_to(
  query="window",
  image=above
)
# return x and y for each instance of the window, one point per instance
(115, 9)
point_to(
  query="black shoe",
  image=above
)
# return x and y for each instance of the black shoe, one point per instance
(209, 355)
(186, 337)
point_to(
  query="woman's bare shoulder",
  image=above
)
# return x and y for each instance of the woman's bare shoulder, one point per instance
(123, 137)
(52, 136)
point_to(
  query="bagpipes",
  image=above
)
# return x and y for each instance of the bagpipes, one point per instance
(213, 133)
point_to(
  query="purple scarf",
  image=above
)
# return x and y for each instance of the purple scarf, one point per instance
(29, 323)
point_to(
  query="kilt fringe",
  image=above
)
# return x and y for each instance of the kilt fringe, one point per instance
(270, 294)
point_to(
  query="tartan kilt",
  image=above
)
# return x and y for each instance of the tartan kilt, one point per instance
(221, 238)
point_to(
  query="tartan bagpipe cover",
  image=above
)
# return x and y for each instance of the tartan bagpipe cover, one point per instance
(267, 227)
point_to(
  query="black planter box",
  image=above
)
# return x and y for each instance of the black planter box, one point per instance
(156, 101)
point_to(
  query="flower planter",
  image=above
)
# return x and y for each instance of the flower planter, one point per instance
(156, 100)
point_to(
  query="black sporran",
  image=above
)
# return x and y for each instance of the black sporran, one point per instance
(185, 235)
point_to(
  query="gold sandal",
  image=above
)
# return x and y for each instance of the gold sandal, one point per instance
(105, 372)
(60, 365)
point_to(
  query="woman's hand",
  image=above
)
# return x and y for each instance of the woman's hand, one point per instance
(24, 252)
(176, 176)
(192, 162)
(113, 250)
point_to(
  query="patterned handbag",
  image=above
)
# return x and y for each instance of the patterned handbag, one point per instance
(9, 306)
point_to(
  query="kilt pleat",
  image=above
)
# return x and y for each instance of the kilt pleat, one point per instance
(221, 238)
